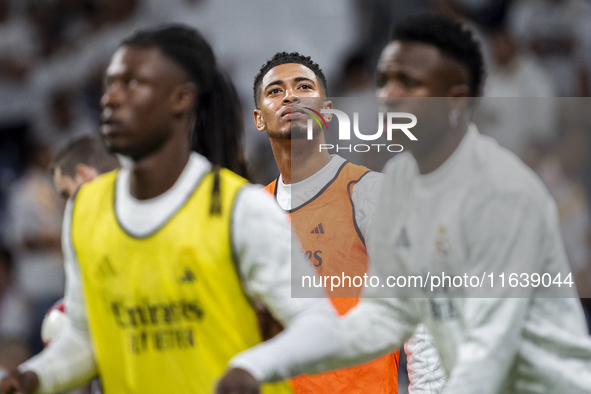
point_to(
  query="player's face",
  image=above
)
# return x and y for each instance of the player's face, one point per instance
(137, 116)
(409, 75)
(410, 69)
(281, 89)
(65, 184)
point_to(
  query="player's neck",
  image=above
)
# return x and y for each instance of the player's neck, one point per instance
(443, 151)
(298, 159)
(154, 174)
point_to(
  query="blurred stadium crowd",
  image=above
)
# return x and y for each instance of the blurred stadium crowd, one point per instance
(53, 54)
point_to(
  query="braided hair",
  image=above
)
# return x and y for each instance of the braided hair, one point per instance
(218, 128)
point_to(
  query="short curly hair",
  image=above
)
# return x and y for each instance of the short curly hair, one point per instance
(283, 58)
(451, 37)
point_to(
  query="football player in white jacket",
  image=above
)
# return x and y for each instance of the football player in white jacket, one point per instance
(457, 200)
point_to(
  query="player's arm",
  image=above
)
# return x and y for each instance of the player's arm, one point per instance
(262, 241)
(426, 374)
(365, 197)
(313, 340)
(505, 233)
(376, 326)
(69, 360)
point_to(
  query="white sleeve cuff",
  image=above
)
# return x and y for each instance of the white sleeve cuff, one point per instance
(66, 363)
(313, 336)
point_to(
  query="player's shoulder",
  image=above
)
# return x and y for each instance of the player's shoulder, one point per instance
(254, 204)
(352, 168)
(231, 176)
(93, 197)
(359, 176)
(400, 166)
(271, 186)
(498, 173)
(103, 182)
(368, 184)
(254, 197)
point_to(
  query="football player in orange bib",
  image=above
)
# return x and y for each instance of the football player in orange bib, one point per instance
(330, 201)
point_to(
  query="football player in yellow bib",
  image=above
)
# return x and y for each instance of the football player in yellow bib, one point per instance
(166, 257)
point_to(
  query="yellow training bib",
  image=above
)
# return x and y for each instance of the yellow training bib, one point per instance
(166, 311)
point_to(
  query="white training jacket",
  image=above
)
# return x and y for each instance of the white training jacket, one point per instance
(426, 374)
(496, 216)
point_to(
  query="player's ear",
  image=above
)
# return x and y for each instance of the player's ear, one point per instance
(327, 105)
(459, 97)
(183, 97)
(85, 173)
(459, 91)
(258, 120)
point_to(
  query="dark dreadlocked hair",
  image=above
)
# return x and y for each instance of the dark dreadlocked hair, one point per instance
(453, 39)
(282, 58)
(218, 115)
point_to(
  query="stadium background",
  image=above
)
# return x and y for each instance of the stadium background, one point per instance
(53, 54)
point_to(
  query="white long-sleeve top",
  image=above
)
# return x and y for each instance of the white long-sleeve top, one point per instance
(426, 375)
(262, 240)
(497, 216)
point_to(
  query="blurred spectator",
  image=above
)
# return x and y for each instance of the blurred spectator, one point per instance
(520, 111)
(12, 152)
(35, 213)
(17, 52)
(357, 77)
(559, 33)
(81, 160)
(262, 166)
(513, 72)
(484, 13)
(58, 23)
(63, 122)
(561, 170)
(375, 18)
(14, 316)
(76, 39)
